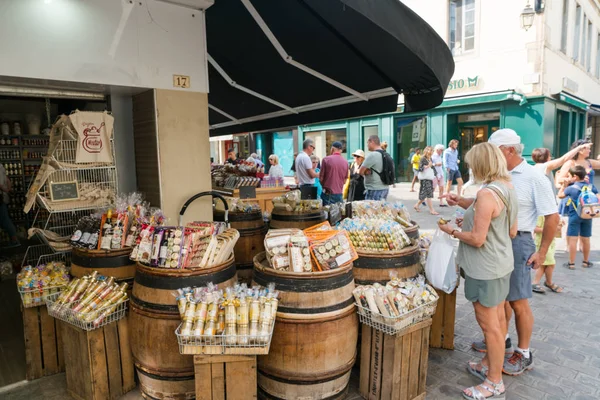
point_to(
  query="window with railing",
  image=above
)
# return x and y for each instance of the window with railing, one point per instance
(588, 47)
(462, 26)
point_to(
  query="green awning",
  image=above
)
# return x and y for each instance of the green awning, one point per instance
(574, 101)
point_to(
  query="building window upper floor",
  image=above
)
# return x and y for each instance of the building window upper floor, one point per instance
(462, 26)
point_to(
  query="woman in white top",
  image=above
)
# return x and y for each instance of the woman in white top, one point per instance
(276, 171)
(543, 160)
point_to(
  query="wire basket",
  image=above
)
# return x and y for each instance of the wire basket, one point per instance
(86, 321)
(394, 325)
(35, 297)
(225, 344)
(43, 254)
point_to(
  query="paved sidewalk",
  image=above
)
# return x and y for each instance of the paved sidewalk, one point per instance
(566, 335)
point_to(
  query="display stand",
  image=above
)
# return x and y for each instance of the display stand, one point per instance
(225, 377)
(394, 367)
(442, 330)
(264, 196)
(43, 344)
(98, 363)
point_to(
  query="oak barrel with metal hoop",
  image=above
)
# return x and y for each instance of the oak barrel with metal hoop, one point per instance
(300, 220)
(115, 263)
(375, 267)
(316, 332)
(252, 229)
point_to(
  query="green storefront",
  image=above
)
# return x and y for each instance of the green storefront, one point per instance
(552, 122)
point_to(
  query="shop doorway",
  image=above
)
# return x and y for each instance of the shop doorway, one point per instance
(472, 129)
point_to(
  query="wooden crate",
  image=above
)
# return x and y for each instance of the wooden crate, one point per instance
(225, 377)
(43, 345)
(98, 363)
(394, 367)
(442, 330)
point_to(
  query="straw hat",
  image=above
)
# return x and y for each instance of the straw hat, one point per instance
(359, 153)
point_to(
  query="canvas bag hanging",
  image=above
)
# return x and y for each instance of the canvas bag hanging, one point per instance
(440, 268)
(427, 173)
(94, 130)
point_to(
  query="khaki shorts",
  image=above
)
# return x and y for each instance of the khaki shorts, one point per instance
(489, 293)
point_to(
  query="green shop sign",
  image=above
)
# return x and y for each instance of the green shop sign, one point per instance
(464, 84)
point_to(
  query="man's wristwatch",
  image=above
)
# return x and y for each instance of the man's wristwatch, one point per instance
(452, 233)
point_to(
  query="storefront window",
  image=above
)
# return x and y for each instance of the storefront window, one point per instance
(410, 133)
(367, 132)
(324, 139)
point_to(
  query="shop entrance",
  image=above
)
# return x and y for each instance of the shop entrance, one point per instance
(469, 130)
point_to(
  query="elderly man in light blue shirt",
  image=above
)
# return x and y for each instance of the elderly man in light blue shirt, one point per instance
(451, 162)
(536, 198)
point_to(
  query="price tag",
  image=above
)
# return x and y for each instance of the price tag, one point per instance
(181, 81)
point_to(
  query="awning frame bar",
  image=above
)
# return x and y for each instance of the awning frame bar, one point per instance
(223, 113)
(310, 107)
(251, 92)
(288, 59)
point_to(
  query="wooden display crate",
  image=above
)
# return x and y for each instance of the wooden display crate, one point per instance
(394, 367)
(98, 363)
(442, 330)
(225, 377)
(43, 345)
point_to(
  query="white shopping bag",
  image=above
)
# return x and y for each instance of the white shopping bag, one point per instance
(440, 268)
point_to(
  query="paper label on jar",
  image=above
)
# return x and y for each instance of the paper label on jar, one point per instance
(343, 258)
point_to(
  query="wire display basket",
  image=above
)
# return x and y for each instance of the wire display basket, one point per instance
(86, 321)
(43, 254)
(35, 297)
(225, 344)
(394, 325)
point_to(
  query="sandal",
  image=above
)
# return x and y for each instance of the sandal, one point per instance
(481, 373)
(587, 264)
(554, 287)
(538, 288)
(496, 389)
(569, 265)
(416, 209)
(434, 213)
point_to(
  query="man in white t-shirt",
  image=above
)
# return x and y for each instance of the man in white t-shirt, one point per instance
(438, 162)
(304, 169)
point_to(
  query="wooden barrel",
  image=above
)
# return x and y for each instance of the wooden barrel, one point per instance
(300, 220)
(371, 268)
(413, 231)
(252, 230)
(316, 331)
(115, 263)
(163, 372)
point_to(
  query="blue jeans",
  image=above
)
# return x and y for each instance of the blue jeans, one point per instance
(377, 194)
(331, 198)
(5, 222)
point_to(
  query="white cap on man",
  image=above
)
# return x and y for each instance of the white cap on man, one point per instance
(504, 137)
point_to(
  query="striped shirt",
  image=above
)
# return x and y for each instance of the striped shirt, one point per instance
(535, 195)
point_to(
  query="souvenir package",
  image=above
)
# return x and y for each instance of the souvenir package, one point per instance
(397, 305)
(332, 250)
(237, 205)
(236, 317)
(90, 302)
(277, 247)
(198, 245)
(375, 235)
(395, 211)
(291, 201)
(36, 283)
(424, 243)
